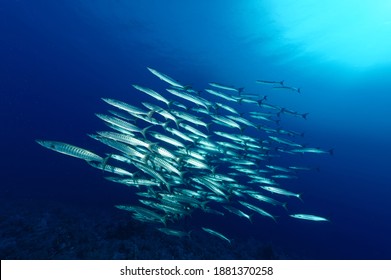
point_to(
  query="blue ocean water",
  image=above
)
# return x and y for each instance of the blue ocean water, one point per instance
(58, 58)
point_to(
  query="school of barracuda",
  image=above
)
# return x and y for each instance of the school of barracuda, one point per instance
(188, 153)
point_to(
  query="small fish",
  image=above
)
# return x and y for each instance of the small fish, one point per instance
(309, 217)
(281, 191)
(70, 150)
(152, 93)
(270, 82)
(231, 88)
(218, 234)
(313, 151)
(288, 88)
(174, 232)
(166, 78)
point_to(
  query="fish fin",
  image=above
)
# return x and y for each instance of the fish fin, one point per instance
(207, 126)
(331, 152)
(282, 83)
(284, 205)
(242, 128)
(165, 124)
(104, 163)
(187, 87)
(240, 90)
(144, 130)
(150, 113)
(305, 115)
(299, 197)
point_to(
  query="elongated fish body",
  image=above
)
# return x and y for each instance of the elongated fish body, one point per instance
(238, 212)
(124, 106)
(267, 199)
(70, 150)
(230, 88)
(218, 234)
(309, 217)
(222, 95)
(270, 82)
(228, 122)
(242, 120)
(288, 88)
(175, 232)
(110, 168)
(258, 210)
(149, 214)
(119, 123)
(285, 141)
(152, 93)
(188, 97)
(278, 168)
(281, 191)
(166, 78)
(189, 118)
(227, 108)
(313, 151)
(193, 130)
(180, 134)
(166, 139)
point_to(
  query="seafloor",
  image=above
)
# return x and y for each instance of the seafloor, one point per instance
(31, 229)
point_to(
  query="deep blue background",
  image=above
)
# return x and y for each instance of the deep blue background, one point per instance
(58, 58)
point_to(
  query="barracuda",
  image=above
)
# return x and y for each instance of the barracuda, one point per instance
(152, 93)
(309, 217)
(70, 150)
(188, 156)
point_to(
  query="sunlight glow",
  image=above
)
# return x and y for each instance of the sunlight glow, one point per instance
(357, 33)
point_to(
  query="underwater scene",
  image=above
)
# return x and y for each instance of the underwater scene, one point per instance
(195, 130)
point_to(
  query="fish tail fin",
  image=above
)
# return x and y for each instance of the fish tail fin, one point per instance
(165, 124)
(242, 128)
(104, 163)
(240, 90)
(284, 205)
(299, 197)
(207, 126)
(150, 113)
(144, 130)
(305, 115)
(282, 83)
(331, 152)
